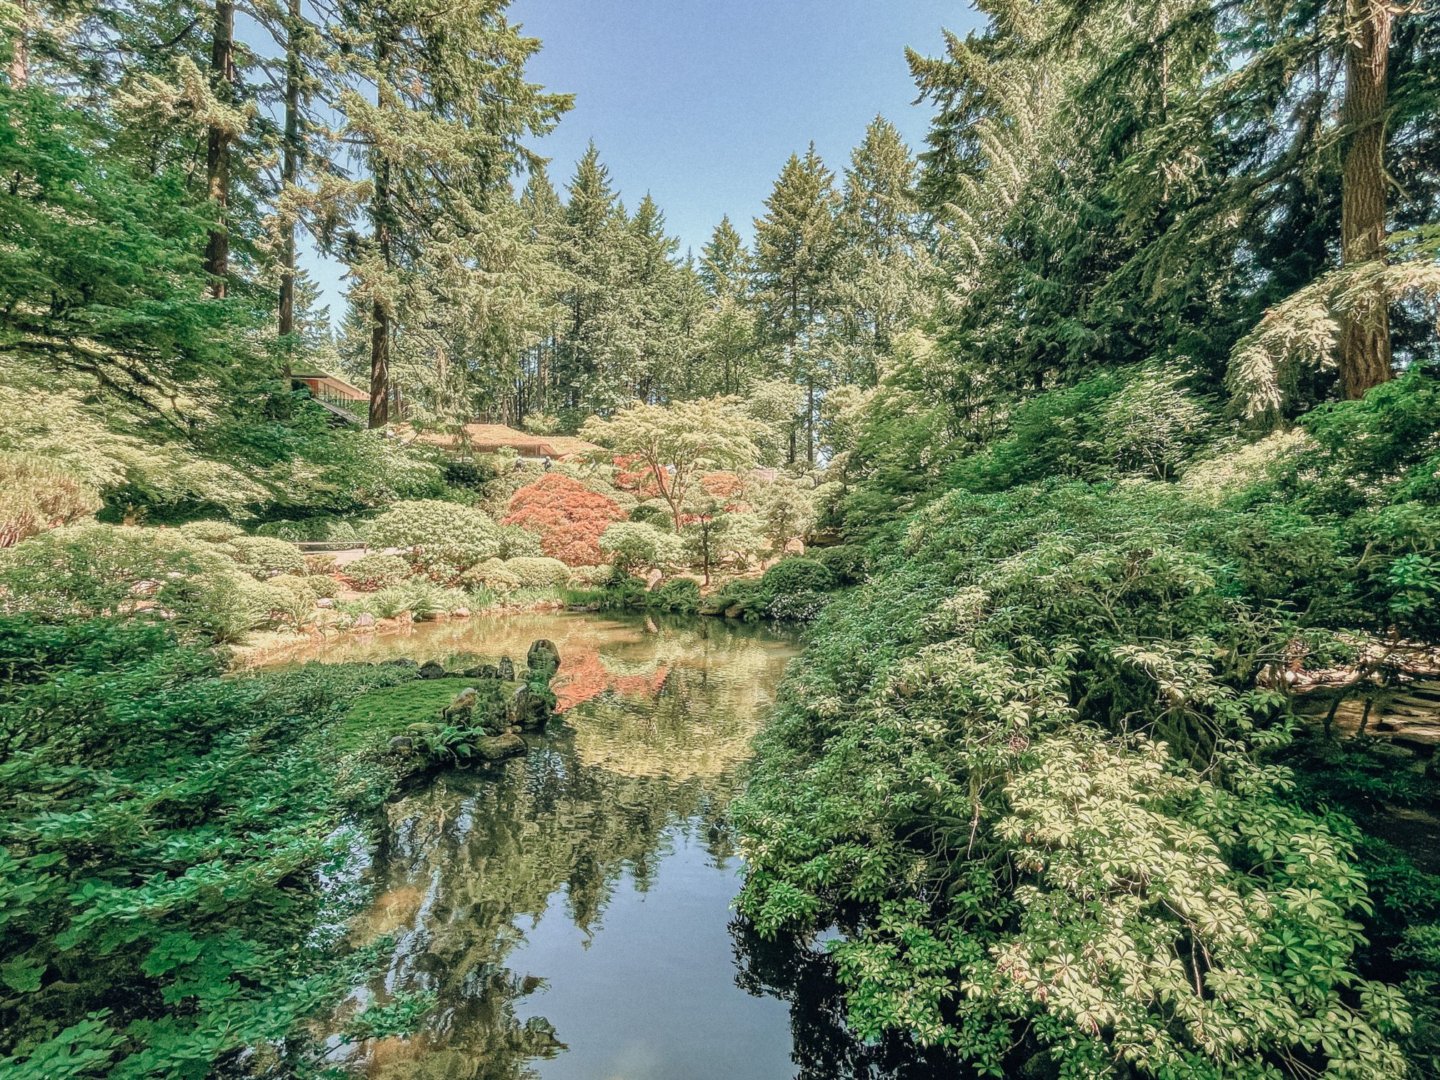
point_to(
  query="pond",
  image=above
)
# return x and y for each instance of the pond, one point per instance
(570, 911)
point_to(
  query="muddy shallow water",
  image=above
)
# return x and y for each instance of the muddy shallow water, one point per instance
(569, 912)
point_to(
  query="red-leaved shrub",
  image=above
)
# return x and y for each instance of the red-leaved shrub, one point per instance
(566, 515)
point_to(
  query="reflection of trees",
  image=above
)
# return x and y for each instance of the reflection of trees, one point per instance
(462, 862)
(824, 1047)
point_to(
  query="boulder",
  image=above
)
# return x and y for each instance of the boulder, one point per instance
(734, 611)
(462, 707)
(543, 657)
(365, 621)
(325, 602)
(499, 747)
(461, 613)
(507, 669)
(430, 670)
(482, 671)
(653, 580)
(527, 710)
(402, 744)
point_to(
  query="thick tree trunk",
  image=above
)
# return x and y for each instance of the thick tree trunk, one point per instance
(289, 173)
(217, 149)
(1365, 328)
(379, 365)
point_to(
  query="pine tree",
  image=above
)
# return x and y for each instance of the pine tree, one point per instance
(439, 141)
(797, 244)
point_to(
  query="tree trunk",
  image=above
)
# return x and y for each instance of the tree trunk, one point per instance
(20, 49)
(810, 421)
(289, 173)
(380, 212)
(1365, 327)
(217, 148)
(379, 365)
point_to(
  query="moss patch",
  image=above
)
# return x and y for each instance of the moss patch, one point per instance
(377, 716)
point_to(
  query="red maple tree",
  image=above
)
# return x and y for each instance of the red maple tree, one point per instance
(568, 517)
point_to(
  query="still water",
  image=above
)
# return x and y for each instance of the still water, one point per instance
(570, 911)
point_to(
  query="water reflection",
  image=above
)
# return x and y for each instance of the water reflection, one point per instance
(569, 910)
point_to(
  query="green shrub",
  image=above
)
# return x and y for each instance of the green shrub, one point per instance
(797, 575)
(846, 562)
(635, 546)
(91, 570)
(681, 595)
(518, 542)
(324, 586)
(654, 513)
(392, 601)
(492, 574)
(36, 495)
(211, 532)
(472, 473)
(163, 827)
(441, 539)
(323, 527)
(538, 573)
(375, 571)
(320, 563)
(264, 556)
(1028, 756)
(591, 576)
(294, 599)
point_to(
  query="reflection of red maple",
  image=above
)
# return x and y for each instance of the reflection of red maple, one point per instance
(583, 676)
(568, 517)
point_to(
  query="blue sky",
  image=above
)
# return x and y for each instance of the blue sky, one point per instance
(700, 102)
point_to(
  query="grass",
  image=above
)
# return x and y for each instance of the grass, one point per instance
(375, 717)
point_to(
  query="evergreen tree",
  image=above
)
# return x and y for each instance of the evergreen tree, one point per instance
(797, 244)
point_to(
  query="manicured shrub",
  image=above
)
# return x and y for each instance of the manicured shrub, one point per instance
(264, 556)
(790, 577)
(538, 573)
(492, 574)
(376, 571)
(320, 563)
(211, 532)
(322, 527)
(654, 513)
(568, 517)
(323, 585)
(517, 542)
(35, 496)
(635, 546)
(846, 562)
(441, 539)
(591, 576)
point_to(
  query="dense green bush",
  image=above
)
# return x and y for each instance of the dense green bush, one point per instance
(654, 513)
(264, 556)
(518, 542)
(321, 527)
(634, 545)
(845, 561)
(492, 574)
(539, 572)
(376, 571)
(442, 539)
(294, 599)
(680, 595)
(211, 532)
(986, 751)
(161, 823)
(90, 570)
